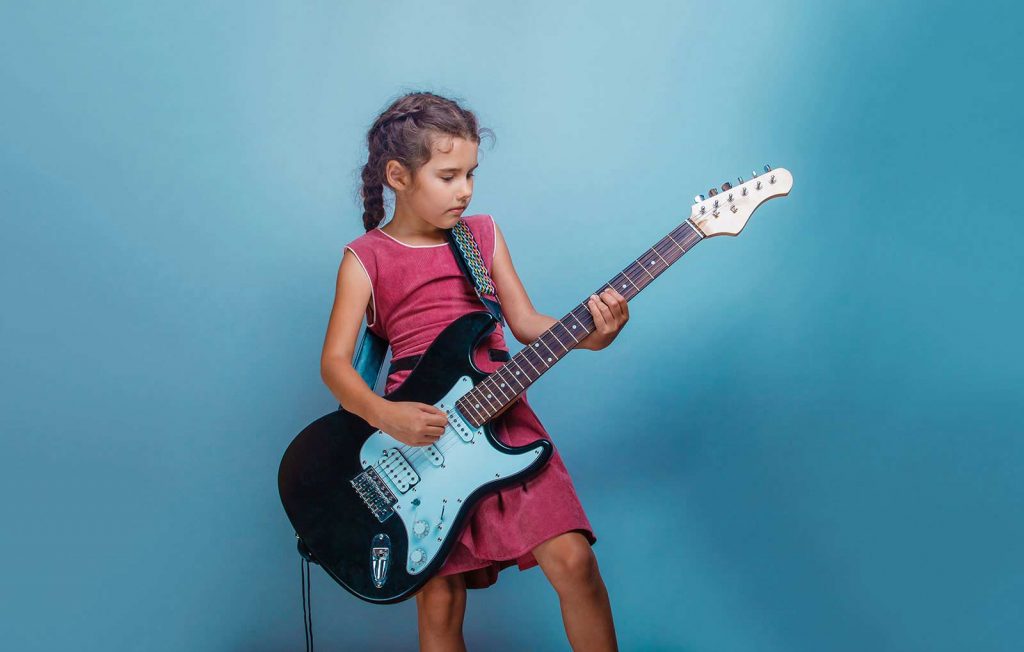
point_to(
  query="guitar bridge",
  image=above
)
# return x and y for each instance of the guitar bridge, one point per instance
(375, 494)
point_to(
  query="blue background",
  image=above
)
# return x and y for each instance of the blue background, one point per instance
(807, 438)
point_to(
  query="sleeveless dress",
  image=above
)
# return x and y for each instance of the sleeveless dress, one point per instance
(417, 291)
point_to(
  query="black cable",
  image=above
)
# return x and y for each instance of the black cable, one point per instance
(302, 572)
(307, 616)
(309, 601)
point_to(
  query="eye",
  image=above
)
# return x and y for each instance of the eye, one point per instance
(447, 178)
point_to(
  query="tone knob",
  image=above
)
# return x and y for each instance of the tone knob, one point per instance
(419, 528)
(418, 556)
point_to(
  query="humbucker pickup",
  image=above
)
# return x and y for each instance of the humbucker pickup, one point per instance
(398, 469)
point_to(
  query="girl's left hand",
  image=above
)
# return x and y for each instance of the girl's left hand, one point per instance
(610, 312)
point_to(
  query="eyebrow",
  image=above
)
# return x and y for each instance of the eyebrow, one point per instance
(457, 169)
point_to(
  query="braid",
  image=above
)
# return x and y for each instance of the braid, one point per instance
(373, 198)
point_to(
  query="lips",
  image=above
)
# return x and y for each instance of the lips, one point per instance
(457, 208)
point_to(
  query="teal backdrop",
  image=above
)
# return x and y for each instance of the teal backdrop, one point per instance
(807, 438)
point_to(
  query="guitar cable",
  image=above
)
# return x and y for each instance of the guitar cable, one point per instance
(307, 603)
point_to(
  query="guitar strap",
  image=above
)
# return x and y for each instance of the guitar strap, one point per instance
(467, 255)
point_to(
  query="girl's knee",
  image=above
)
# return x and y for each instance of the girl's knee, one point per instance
(572, 568)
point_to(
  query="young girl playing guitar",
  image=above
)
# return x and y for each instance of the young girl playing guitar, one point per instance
(404, 278)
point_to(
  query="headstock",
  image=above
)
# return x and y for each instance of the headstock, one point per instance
(726, 212)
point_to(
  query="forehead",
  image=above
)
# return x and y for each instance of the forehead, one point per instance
(453, 152)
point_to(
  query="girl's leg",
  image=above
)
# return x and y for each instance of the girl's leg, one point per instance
(570, 565)
(440, 609)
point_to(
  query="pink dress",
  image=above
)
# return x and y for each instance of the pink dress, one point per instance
(417, 291)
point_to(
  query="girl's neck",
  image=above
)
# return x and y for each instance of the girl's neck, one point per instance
(414, 231)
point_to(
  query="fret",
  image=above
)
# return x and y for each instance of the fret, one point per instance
(514, 374)
(540, 340)
(567, 331)
(498, 386)
(498, 390)
(644, 267)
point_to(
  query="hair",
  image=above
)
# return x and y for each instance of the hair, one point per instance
(405, 132)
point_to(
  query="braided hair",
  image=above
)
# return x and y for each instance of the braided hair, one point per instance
(405, 132)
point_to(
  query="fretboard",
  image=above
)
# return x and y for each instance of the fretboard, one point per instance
(493, 394)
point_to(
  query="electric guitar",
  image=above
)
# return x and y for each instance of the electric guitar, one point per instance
(379, 516)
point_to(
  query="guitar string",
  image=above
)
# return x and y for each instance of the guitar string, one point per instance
(416, 456)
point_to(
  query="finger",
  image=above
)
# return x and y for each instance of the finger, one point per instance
(621, 302)
(433, 411)
(607, 314)
(613, 304)
(595, 311)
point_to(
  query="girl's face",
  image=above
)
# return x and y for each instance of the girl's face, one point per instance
(444, 183)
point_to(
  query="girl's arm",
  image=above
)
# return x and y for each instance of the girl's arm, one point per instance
(610, 310)
(351, 297)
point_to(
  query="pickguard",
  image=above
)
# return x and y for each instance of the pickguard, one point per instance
(427, 486)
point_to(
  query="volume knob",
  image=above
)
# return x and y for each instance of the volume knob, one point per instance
(418, 556)
(419, 528)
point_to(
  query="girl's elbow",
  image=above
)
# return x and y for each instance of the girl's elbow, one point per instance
(328, 365)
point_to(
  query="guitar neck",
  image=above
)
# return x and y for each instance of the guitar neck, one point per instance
(504, 386)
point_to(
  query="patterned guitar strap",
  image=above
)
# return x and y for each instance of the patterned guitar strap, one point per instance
(467, 255)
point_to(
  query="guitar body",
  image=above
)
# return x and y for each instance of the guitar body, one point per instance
(380, 516)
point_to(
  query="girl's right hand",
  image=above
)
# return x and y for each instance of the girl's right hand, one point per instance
(412, 423)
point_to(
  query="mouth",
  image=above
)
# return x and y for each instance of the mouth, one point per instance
(457, 209)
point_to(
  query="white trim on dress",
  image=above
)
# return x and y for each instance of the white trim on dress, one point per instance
(373, 295)
(409, 245)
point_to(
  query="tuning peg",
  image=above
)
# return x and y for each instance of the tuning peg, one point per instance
(712, 192)
(726, 186)
(753, 174)
(740, 180)
(698, 199)
(767, 168)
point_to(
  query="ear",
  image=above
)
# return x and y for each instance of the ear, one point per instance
(397, 175)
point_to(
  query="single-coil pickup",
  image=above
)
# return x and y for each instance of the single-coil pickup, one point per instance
(398, 469)
(375, 493)
(458, 424)
(434, 455)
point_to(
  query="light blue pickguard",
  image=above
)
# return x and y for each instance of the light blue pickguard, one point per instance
(432, 483)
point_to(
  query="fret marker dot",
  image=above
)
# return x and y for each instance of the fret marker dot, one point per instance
(652, 262)
(489, 396)
(536, 345)
(549, 359)
(503, 384)
(574, 326)
(517, 373)
(623, 286)
(478, 405)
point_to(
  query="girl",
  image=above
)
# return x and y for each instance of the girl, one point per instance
(404, 278)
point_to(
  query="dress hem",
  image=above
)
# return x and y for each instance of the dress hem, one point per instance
(502, 564)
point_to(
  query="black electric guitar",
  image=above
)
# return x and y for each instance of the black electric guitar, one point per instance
(381, 516)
